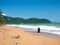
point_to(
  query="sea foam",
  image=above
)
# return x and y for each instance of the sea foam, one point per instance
(44, 28)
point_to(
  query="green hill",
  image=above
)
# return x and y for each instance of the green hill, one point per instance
(16, 20)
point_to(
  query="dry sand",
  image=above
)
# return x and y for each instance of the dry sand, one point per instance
(15, 36)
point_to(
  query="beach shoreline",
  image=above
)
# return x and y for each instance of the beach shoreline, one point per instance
(42, 33)
(43, 28)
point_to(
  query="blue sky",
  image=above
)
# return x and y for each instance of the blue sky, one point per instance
(49, 9)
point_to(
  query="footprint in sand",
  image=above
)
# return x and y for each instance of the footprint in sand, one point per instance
(16, 43)
(16, 37)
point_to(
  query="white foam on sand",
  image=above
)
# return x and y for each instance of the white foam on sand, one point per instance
(47, 29)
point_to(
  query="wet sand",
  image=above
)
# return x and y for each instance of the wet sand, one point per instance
(17, 36)
(46, 34)
(43, 33)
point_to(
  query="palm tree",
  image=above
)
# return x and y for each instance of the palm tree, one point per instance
(1, 18)
(1, 13)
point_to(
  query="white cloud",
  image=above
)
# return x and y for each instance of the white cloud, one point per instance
(4, 14)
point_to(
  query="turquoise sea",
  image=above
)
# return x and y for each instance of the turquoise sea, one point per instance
(46, 24)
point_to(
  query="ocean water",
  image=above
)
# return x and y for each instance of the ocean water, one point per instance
(47, 24)
(53, 28)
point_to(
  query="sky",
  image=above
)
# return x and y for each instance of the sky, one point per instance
(48, 9)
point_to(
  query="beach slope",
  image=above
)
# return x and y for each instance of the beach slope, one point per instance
(10, 35)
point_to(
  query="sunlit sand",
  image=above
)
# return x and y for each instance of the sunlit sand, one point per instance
(10, 35)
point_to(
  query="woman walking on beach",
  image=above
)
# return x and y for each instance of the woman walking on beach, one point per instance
(38, 30)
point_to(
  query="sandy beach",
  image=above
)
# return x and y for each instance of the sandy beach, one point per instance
(10, 35)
